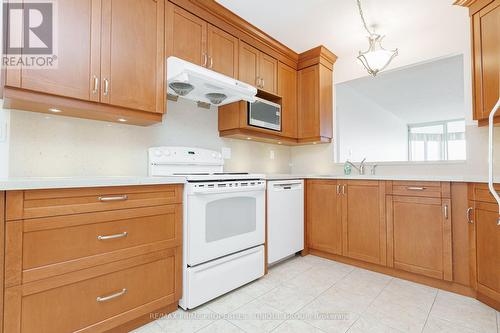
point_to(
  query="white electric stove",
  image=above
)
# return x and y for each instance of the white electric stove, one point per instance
(224, 222)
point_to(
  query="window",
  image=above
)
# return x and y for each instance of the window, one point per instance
(443, 140)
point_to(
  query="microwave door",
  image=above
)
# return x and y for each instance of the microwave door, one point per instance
(265, 114)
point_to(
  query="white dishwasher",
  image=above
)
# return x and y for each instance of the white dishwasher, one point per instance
(285, 218)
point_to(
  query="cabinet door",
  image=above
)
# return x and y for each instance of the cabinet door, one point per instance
(133, 54)
(308, 102)
(324, 228)
(268, 73)
(363, 221)
(486, 36)
(420, 236)
(488, 250)
(287, 89)
(249, 64)
(222, 52)
(78, 48)
(186, 36)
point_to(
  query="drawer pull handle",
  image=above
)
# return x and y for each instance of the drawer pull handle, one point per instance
(415, 188)
(101, 299)
(469, 219)
(446, 212)
(117, 198)
(116, 236)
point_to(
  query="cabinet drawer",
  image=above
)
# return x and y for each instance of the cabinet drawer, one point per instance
(57, 245)
(480, 192)
(75, 303)
(421, 189)
(43, 203)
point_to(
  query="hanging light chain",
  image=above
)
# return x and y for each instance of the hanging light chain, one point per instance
(363, 18)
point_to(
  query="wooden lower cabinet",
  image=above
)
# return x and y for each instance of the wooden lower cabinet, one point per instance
(419, 235)
(363, 221)
(324, 216)
(2, 254)
(487, 243)
(116, 258)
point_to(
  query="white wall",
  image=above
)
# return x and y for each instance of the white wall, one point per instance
(365, 129)
(63, 146)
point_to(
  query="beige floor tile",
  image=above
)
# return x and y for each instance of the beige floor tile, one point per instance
(436, 325)
(364, 282)
(221, 326)
(289, 269)
(257, 317)
(262, 286)
(369, 324)
(465, 311)
(296, 326)
(230, 301)
(182, 321)
(152, 327)
(287, 299)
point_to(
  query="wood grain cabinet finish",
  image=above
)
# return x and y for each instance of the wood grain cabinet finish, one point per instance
(363, 221)
(199, 42)
(121, 245)
(258, 69)
(324, 216)
(419, 228)
(78, 55)
(287, 89)
(133, 54)
(486, 59)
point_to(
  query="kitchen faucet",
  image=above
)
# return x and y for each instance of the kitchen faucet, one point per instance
(361, 168)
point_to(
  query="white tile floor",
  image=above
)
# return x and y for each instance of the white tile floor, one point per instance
(311, 294)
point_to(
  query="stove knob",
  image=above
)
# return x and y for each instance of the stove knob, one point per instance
(214, 155)
(158, 153)
(166, 152)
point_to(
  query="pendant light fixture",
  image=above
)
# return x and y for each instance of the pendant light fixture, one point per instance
(376, 58)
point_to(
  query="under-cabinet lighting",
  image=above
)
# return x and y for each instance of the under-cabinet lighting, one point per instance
(279, 142)
(122, 120)
(249, 138)
(55, 110)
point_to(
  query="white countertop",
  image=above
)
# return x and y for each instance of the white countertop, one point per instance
(9, 184)
(451, 178)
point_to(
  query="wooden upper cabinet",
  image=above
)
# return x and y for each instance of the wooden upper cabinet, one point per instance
(132, 70)
(363, 221)
(323, 216)
(78, 21)
(186, 35)
(420, 235)
(268, 73)
(287, 89)
(486, 59)
(258, 69)
(222, 52)
(249, 64)
(487, 250)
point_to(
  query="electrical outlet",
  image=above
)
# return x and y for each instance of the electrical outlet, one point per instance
(272, 154)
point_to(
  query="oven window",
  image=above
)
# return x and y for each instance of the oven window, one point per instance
(230, 217)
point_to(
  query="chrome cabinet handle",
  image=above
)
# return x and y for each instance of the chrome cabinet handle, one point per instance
(338, 189)
(415, 188)
(445, 211)
(96, 85)
(116, 236)
(469, 219)
(263, 83)
(106, 87)
(114, 198)
(211, 63)
(101, 299)
(205, 60)
(343, 189)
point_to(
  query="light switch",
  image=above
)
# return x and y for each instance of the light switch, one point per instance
(226, 153)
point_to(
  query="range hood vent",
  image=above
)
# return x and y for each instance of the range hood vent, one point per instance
(204, 86)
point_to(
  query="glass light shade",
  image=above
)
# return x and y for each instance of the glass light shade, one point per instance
(376, 58)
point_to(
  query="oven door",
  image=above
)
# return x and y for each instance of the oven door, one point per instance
(219, 224)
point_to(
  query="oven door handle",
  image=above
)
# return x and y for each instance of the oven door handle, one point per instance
(219, 191)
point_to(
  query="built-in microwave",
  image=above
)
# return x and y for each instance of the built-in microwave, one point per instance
(264, 114)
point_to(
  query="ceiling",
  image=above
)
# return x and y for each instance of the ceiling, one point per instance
(421, 29)
(427, 92)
